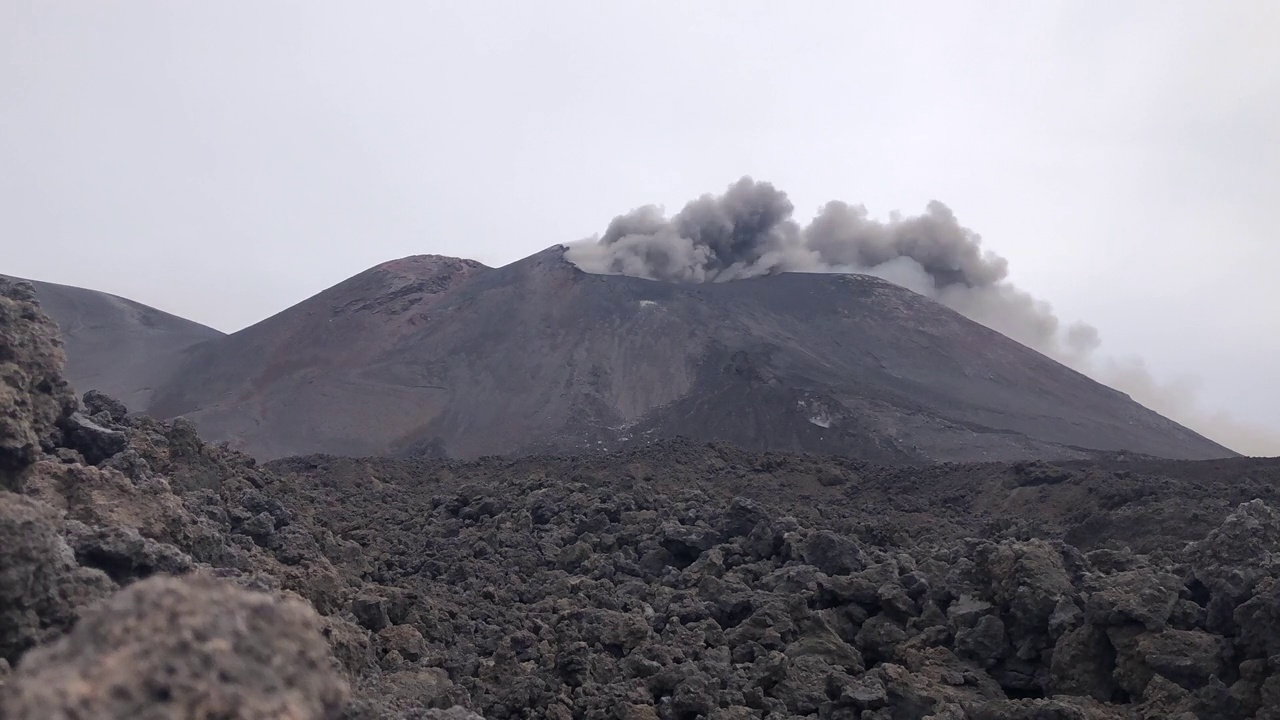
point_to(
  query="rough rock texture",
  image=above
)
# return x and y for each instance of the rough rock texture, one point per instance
(41, 586)
(703, 581)
(673, 582)
(94, 442)
(96, 402)
(34, 397)
(72, 534)
(170, 648)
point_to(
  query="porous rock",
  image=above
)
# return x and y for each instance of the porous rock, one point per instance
(34, 396)
(182, 648)
(96, 402)
(41, 586)
(95, 443)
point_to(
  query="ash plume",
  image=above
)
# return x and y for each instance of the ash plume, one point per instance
(749, 231)
(745, 232)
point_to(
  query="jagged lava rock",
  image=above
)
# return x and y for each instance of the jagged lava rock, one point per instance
(167, 648)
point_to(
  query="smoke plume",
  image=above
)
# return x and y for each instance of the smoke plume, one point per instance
(749, 230)
(745, 232)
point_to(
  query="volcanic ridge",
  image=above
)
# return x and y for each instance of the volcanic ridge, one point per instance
(145, 573)
(685, 470)
(446, 357)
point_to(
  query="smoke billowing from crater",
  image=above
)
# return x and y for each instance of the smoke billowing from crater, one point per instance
(749, 230)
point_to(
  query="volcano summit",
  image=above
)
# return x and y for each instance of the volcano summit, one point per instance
(446, 357)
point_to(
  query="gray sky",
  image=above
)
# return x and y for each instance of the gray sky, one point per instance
(225, 160)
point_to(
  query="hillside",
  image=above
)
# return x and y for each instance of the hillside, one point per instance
(150, 574)
(336, 371)
(118, 346)
(441, 356)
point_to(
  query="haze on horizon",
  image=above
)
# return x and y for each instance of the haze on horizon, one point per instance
(223, 161)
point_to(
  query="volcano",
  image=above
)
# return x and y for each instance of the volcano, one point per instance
(446, 357)
(118, 346)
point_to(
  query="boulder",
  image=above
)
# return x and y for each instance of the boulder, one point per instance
(985, 642)
(1141, 596)
(34, 396)
(1260, 615)
(1186, 657)
(96, 403)
(1083, 664)
(94, 442)
(1248, 540)
(123, 554)
(182, 648)
(1028, 581)
(370, 612)
(833, 554)
(41, 586)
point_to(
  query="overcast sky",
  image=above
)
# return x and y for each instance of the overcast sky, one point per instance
(225, 160)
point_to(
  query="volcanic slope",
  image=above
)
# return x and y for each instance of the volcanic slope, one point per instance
(439, 356)
(117, 346)
(151, 575)
(336, 371)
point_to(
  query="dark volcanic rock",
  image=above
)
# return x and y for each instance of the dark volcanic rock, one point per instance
(93, 441)
(1084, 663)
(41, 587)
(34, 397)
(1245, 547)
(833, 554)
(674, 581)
(96, 402)
(1134, 596)
(124, 554)
(167, 648)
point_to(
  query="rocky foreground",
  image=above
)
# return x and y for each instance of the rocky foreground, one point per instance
(145, 574)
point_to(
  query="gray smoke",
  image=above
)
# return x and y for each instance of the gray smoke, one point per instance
(951, 255)
(749, 231)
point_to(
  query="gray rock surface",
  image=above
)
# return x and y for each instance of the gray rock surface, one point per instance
(96, 401)
(94, 442)
(41, 586)
(675, 581)
(168, 648)
(34, 396)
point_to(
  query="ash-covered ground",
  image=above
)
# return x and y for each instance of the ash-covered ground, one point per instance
(145, 574)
